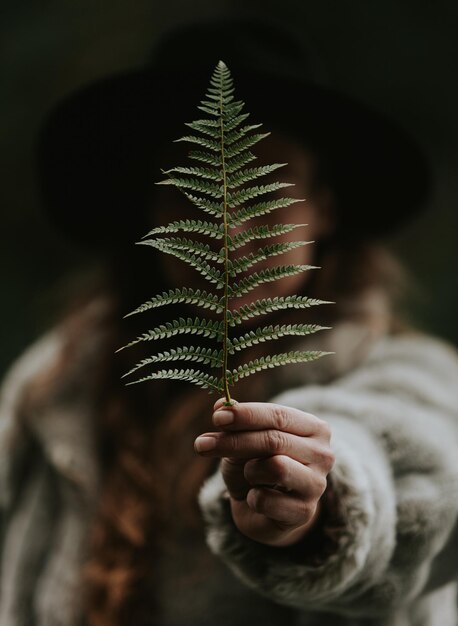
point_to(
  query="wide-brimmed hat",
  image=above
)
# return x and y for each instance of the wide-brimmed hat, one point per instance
(99, 150)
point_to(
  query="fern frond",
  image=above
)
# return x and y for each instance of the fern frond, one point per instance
(197, 326)
(267, 333)
(205, 157)
(201, 172)
(210, 273)
(221, 184)
(238, 133)
(187, 245)
(207, 356)
(253, 173)
(244, 144)
(232, 110)
(261, 232)
(189, 226)
(238, 162)
(208, 109)
(260, 208)
(201, 141)
(266, 276)
(268, 305)
(207, 127)
(194, 184)
(214, 208)
(235, 121)
(245, 262)
(185, 295)
(284, 358)
(206, 381)
(248, 193)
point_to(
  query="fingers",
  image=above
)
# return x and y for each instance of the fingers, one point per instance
(284, 509)
(285, 474)
(278, 472)
(265, 443)
(220, 402)
(263, 415)
(234, 478)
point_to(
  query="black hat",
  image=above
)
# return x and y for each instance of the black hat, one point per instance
(99, 150)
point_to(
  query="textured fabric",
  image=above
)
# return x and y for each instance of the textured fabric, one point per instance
(394, 424)
(388, 554)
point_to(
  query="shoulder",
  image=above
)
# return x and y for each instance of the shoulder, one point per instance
(47, 397)
(53, 359)
(15, 436)
(412, 365)
(417, 350)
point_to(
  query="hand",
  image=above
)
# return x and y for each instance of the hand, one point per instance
(274, 461)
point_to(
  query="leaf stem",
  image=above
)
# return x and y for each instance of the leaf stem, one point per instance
(226, 252)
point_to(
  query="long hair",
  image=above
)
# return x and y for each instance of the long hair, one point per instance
(146, 433)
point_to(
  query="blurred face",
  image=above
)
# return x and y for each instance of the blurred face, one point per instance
(314, 210)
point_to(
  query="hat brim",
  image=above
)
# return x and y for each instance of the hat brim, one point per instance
(99, 150)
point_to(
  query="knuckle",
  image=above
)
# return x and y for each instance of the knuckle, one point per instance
(309, 509)
(281, 418)
(276, 441)
(306, 508)
(279, 469)
(325, 458)
(246, 414)
(323, 429)
(320, 483)
(232, 442)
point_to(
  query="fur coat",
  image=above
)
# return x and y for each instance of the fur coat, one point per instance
(385, 554)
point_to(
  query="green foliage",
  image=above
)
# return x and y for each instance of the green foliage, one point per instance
(222, 189)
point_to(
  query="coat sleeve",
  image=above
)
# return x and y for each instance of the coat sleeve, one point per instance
(390, 533)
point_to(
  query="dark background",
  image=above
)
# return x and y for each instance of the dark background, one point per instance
(400, 56)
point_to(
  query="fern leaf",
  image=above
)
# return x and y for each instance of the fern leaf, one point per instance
(238, 162)
(248, 193)
(214, 208)
(190, 375)
(284, 358)
(235, 121)
(260, 208)
(207, 127)
(205, 157)
(261, 232)
(266, 276)
(243, 145)
(268, 305)
(247, 175)
(186, 295)
(189, 226)
(221, 184)
(210, 273)
(245, 262)
(188, 245)
(268, 333)
(201, 141)
(194, 184)
(206, 328)
(201, 172)
(238, 133)
(232, 110)
(207, 356)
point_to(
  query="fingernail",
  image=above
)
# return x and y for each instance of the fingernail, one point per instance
(223, 418)
(204, 444)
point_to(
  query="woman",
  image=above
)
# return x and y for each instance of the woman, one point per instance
(334, 501)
